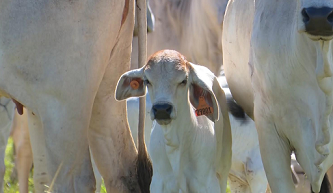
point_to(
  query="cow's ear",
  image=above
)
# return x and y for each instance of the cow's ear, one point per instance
(130, 84)
(202, 96)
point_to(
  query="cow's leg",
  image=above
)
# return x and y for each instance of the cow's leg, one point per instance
(275, 154)
(237, 185)
(255, 173)
(6, 109)
(98, 176)
(67, 158)
(36, 132)
(109, 136)
(5, 132)
(23, 158)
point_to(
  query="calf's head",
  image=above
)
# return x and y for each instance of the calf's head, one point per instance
(316, 18)
(173, 83)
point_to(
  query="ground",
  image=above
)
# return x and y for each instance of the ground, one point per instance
(11, 185)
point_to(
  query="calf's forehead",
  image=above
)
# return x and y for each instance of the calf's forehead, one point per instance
(168, 67)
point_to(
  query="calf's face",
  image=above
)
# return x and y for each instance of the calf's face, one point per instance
(167, 82)
(173, 83)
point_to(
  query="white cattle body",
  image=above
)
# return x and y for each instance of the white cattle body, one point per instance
(189, 153)
(61, 60)
(278, 66)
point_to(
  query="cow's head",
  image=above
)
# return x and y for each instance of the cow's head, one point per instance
(173, 84)
(316, 18)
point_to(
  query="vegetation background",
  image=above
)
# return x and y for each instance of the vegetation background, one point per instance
(10, 180)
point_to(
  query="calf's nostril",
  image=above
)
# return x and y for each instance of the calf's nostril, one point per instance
(169, 109)
(306, 17)
(330, 17)
(154, 110)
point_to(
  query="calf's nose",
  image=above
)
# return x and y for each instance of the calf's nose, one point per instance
(318, 21)
(162, 111)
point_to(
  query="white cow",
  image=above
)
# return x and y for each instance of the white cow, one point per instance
(61, 60)
(278, 63)
(192, 27)
(21, 139)
(189, 153)
(247, 172)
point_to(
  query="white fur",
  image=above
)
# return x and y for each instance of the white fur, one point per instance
(283, 80)
(192, 27)
(189, 154)
(247, 172)
(61, 60)
(17, 125)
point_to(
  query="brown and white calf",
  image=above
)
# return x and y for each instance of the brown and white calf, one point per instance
(190, 153)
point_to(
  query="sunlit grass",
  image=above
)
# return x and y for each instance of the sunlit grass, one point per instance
(11, 184)
(10, 180)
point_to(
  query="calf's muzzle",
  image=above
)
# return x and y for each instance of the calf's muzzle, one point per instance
(162, 111)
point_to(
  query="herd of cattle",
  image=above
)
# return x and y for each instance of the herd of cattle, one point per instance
(65, 66)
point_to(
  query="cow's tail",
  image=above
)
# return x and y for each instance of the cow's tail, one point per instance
(144, 166)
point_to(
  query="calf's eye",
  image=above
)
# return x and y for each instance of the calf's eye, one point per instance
(184, 82)
(146, 82)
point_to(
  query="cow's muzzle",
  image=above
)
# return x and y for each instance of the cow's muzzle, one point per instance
(162, 113)
(318, 21)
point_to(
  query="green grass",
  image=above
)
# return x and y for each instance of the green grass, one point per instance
(10, 183)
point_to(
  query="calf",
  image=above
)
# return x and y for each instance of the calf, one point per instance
(190, 152)
(247, 171)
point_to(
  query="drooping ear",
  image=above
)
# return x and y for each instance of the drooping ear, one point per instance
(201, 80)
(130, 84)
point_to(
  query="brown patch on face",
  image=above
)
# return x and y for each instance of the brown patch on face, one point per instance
(168, 56)
(125, 12)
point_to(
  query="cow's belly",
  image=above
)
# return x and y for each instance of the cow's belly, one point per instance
(236, 49)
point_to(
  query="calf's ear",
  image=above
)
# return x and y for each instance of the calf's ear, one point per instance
(130, 84)
(201, 91)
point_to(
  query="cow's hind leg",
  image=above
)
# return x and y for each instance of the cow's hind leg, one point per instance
(255, 173)
(275, 153)
(237, 185)
(109, 136)
(23, 158)
(6, 112)
(98, 176)
(67, 158)
(36, 133)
